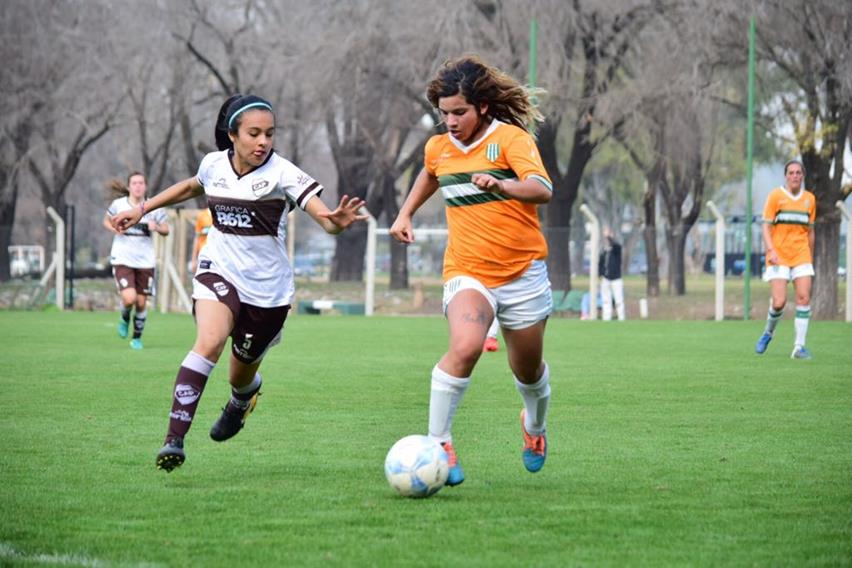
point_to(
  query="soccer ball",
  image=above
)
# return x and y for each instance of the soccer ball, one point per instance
(416, 466)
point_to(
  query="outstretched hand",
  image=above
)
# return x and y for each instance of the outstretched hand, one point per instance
(346, 212)
(126, 219)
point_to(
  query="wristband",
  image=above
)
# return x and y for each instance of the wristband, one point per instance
(142, 207)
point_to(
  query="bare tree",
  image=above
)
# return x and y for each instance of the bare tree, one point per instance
(72, 114)
(374, 108)
(595, 46)
(805, 46)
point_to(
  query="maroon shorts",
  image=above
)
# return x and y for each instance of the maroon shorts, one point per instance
(255, 329)
(140, 279)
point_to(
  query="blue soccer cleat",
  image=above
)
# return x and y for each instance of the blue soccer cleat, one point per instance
(136, 343)
(801, 352)
(122, 328)
(535, 448)
(763, 343)
(455, 475)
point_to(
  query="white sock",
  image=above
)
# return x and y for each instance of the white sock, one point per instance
(803, 316)
(446, 395)
(197, 363)
(536, 400)
(772, 319)
(239, 396)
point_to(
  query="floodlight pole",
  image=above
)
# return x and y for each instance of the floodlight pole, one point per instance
(593, 261)
(720, 261)
(749, 154)
(533, 70)
(848, 216)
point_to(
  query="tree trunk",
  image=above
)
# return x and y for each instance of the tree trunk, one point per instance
(7, 221)
(559, 237)
(826, 256)
(348, 262)
(398, 250)
(649, 234)
(676, 241)
(559, 210)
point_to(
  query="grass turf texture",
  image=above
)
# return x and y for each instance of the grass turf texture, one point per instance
(671, 443)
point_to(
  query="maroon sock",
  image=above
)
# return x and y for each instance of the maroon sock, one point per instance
(189, 385)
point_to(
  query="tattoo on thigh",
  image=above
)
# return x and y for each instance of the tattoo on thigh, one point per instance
(479, 317)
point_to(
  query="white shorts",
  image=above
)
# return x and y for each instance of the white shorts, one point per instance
(781, 272)
(519, 304)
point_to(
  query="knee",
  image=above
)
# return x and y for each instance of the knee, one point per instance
(209, 347)
(466, 355)
(528, 372)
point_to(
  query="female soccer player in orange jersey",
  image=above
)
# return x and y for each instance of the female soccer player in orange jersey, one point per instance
(492, 179)
(788, 236)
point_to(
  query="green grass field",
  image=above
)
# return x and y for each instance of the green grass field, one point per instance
(671, 443)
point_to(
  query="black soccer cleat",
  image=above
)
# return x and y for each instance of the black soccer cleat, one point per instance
(232, 420)
(171, 455)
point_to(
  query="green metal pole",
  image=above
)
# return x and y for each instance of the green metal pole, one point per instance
(533, 53)
(749, 154)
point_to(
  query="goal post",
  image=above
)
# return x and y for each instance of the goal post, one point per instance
(595, 246)
(373, 232)
(720, 261)
(57, 263)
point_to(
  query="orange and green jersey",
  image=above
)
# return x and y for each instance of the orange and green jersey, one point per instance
(791, 218)
(491, 237)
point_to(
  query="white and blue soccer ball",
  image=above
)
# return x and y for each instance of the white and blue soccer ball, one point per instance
(416, 466)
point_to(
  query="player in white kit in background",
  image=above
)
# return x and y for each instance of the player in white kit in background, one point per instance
(132, 254)
(244, 282)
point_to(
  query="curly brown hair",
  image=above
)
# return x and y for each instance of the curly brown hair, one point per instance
(507, 100)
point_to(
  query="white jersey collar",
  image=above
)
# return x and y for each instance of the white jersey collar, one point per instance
(790, 195)
(466, 149)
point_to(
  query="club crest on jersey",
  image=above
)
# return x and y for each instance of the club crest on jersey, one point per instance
(258, 186)
(220, 183)
(492, 152)
(186, 394)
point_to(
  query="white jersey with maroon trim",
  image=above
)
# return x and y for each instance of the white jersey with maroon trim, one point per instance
(247, 243)
(134, 247)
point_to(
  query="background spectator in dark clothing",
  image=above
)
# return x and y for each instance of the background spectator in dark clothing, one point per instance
(612, 286)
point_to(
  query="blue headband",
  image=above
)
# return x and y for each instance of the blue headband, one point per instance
(246, 107)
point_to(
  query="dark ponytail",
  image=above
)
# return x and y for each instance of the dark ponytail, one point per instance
(226, 121)
(222, 140)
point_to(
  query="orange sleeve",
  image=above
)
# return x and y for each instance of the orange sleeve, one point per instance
(812, 211)
(431, 154)
(524, 159)
(771, 207)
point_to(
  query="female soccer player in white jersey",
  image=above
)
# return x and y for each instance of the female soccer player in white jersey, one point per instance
(491, 178)
(132, 254)
(244, 281)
